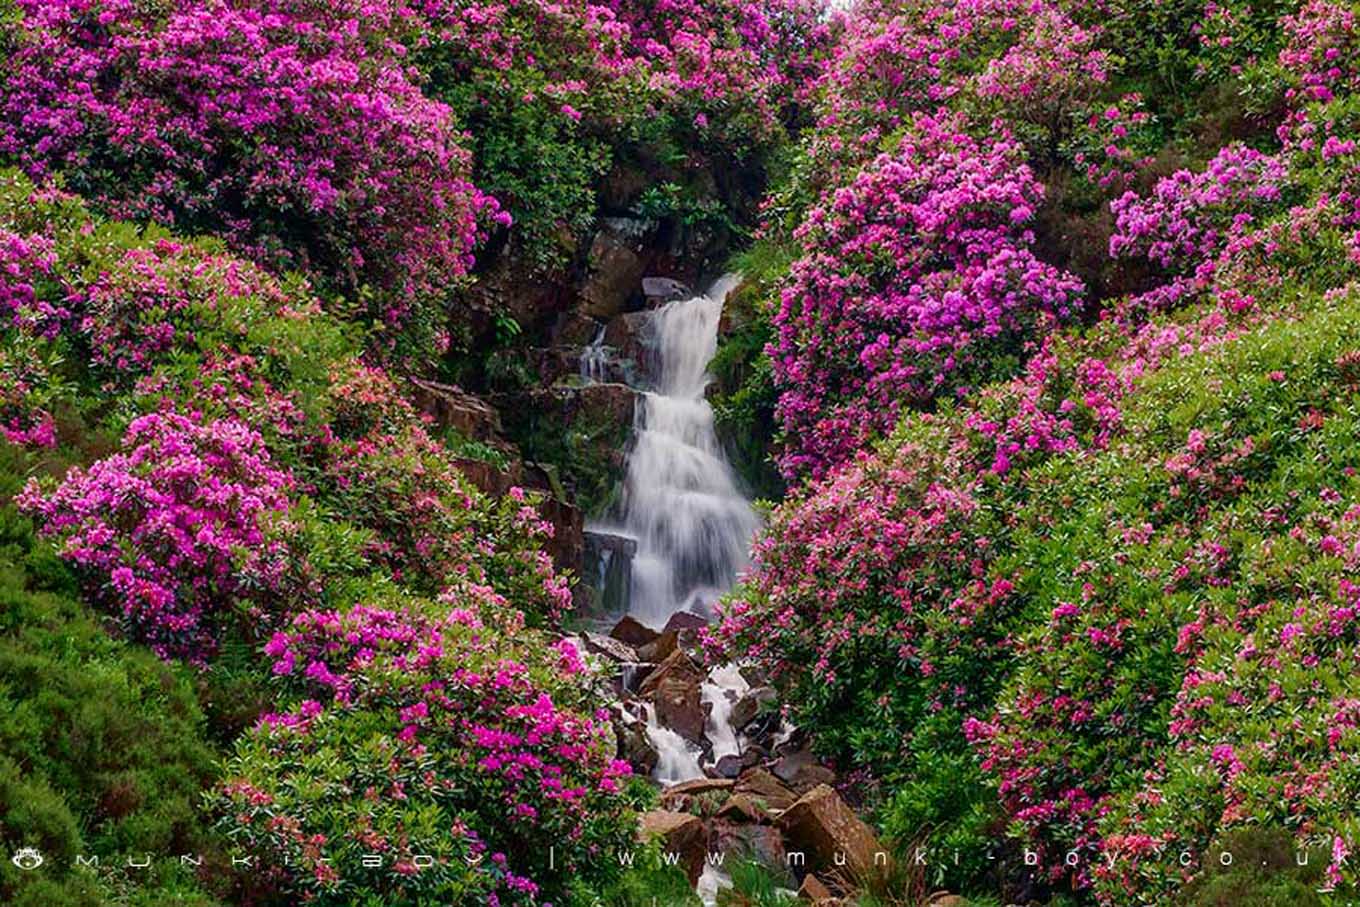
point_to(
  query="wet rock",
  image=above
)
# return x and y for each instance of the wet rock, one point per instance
(636, 749)
(615, 271)
(631, 630)
(629, 336)
(822, 824)
(685, 620)
(610, 648)
(674, 689)
(575, 329)
(764, 843)
(697, 786)
(750, 704)
(679, 833)
(728, 766)
(741, 808)
(632, 675)
(660, 648)
(660, 290)
(765, 789)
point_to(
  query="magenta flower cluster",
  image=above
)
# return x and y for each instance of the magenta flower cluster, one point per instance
(912, 278)
(179, 533)
(292, 128)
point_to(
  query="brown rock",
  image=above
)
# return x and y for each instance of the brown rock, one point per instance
(660, 648)
(815, 891)
(679, 833)
(673, 688)
(633, 632)
(765, 789)
(728, 766)
(677, 796)
(749, 705)
(636, 749)
(801, 771)
(821, 823)
(615, 273)
(575, 329)
(685, 620)
(741, 808)
(453, 408)
(610, 648)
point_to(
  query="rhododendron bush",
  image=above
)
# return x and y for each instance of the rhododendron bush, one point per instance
(259, 486)
(468, 755)
(915, 279)
(181, 532)
(292, 128)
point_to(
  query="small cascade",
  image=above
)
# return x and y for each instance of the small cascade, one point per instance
(721, 690)
(594, 365)
(680, 497)
(677, 758)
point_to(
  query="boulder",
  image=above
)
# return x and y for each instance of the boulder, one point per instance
(765, 789)
(685, 620)
(750, 704)
(661, 290)
(575, 329)
(679, 796)
(636, 749)
(631, 630)
(728, 766)
(610, 648)
(801, 771)
(660, 648)
(820, 823)
(741, 808)
(614, 275)
(679, 833)
(452, 408)
(674, 689)
(697, 786)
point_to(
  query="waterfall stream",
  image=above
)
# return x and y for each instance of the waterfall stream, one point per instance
(682, 505)
(680, 497)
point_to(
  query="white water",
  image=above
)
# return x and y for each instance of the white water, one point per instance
(594, 365)
(677, 758)
(721, 690)
(680, 498)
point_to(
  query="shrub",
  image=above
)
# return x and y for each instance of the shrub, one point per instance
(467, 739)
(290, 127)
(102, 748)
(181, 534)
(915, 279)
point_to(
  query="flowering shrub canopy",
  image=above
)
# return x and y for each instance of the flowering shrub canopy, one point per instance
(180, 532)
(292, 128)
(913, 279)
(468, 755)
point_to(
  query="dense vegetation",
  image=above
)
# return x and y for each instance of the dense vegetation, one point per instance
(1050, 342)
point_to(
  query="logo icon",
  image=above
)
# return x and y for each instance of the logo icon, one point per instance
(27, 858)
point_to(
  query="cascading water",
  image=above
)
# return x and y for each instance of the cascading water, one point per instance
(680, 498)
(692, 525)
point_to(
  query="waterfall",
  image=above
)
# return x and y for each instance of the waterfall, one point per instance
(594, 364)
(680, 497)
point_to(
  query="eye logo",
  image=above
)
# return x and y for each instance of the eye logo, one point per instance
(27, 858)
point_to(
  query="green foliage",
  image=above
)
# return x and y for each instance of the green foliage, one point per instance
(103, 747)
(1264, 872)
